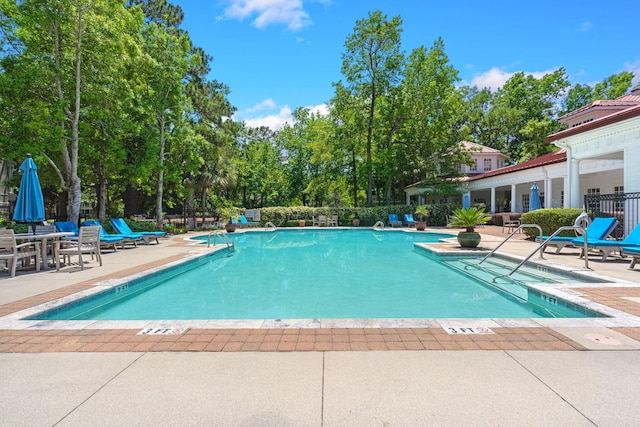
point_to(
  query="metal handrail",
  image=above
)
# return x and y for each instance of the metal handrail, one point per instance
(218, 234)
(378, 225)
(520, 227)
(544, 244)
(269, 226)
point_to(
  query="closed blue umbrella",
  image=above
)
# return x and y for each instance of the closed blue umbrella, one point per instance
(466, 201)
(534, 201)
(29, 203)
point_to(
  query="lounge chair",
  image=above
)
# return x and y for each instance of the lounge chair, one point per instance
(607, 247)
(245, 223)
(408, 220)
(132, 238)
(394, 221)
(121, 227)
(11, 251)
(599, 229)
(87, 242)
(633, 252)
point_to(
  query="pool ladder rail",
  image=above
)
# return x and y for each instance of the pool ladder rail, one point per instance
(269, 226)
(579, 227)
(224, 239)
(379, 225)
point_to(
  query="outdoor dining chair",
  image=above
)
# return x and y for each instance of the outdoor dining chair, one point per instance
(11, 252)
(87, 242)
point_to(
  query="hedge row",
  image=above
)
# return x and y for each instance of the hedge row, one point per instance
(550, 220)
(287, 216)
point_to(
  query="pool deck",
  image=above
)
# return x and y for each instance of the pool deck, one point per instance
(526, 372)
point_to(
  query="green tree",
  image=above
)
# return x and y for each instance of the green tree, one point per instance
(371, 65)
(65, 58)
(611, 87)
(426, 128)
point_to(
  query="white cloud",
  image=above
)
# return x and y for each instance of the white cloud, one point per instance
(272, 121)
(495, 78)
(492, 79)
(267, 104)
(277, 119)
(267, 12)
(323, 109)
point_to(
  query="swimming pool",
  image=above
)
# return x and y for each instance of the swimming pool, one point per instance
(311, 274)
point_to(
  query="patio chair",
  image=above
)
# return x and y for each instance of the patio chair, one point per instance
(599, 229)
(132, 238)
(607, 247)
(408, 220)
(121, 227)
(322, 221)
(245, 223)
(11, 251)
(394, 221)
(633, 252)
(334, 221)
(509, 223)
(87, 242)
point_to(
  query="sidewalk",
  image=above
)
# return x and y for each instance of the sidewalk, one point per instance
(479, 388)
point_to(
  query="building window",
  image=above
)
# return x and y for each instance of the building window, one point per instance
(459, 168)
(499, 163)
(525, 202)
(593, 205)
(474, 165)
(487, 165)
(619, 203)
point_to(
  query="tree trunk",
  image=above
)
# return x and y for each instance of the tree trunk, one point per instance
(369, 143)
(101, 196)
(160, 182)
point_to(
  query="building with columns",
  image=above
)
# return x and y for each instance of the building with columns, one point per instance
(597, 154)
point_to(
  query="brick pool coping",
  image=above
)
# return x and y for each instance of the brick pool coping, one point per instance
(293, 339)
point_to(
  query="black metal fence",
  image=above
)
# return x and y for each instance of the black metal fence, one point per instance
(625, 207)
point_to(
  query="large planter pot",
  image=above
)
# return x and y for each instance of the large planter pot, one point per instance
(356, 222)
(421, 225)
(469, 239)
(230, 227)
(301, 223)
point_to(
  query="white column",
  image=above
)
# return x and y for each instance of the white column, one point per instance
(493, 199)
(574, 183)
(548, 193)
(513, 197)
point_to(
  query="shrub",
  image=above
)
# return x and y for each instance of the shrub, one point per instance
(550, 220)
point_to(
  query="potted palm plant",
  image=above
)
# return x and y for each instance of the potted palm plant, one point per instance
(230, 213)
(468, 218)
(421, 215)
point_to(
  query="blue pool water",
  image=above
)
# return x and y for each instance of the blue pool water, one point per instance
(291, 274)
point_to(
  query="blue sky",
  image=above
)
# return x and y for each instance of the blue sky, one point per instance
(277, 55)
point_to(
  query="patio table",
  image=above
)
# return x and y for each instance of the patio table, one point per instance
(43, 241)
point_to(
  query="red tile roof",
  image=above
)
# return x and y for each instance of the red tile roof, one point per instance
(595, 124)
(548, 159)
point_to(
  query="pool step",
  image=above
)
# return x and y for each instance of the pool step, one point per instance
(492, 274)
